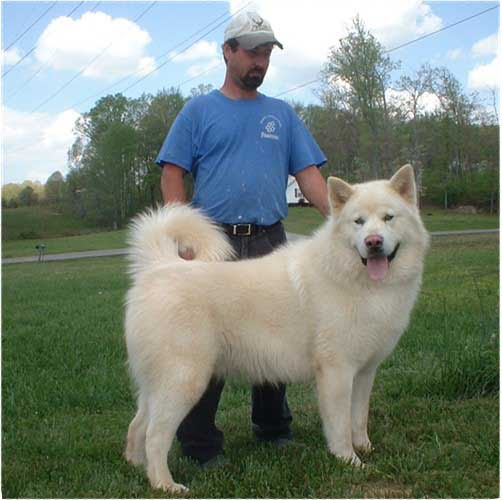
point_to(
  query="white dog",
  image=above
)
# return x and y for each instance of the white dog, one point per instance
(331, 307)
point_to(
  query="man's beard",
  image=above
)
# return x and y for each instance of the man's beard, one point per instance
(252, 82)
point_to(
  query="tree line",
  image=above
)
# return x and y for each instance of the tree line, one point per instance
(364, 132)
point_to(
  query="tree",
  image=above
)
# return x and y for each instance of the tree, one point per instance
(27, 197)
(456, 113)
(156, 121)
(358, 73)
(414, 88)
(105, 155)
(53, 189)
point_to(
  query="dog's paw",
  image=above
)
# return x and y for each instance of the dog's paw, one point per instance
(355, 461)
(351, 459)
(171, 487)
(363, 445)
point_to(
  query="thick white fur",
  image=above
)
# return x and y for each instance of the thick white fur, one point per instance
(307, 310)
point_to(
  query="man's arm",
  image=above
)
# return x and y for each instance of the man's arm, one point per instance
(173, 190)
(171, 184)
(313, 186)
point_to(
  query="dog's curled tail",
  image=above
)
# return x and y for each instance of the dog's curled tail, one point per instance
(160, 235)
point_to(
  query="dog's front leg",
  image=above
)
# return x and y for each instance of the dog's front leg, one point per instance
(334, 386)
(363, 383)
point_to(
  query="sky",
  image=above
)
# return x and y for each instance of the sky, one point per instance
(58, 57)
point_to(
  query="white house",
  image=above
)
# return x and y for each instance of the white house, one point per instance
(294, 194)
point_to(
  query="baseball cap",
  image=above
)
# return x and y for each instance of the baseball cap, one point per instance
(250, 30)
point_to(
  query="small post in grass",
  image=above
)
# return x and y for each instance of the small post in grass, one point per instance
(41, 249)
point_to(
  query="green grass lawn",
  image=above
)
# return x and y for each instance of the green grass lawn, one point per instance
(67, 402)
(301, 220)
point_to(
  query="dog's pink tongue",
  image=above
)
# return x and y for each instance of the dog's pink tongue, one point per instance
(377, 267)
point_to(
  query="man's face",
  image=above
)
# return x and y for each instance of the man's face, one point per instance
(247, 68)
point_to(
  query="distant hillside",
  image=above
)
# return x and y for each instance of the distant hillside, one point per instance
(11, 191)
(40, 222)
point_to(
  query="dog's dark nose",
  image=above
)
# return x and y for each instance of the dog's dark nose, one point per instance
(373, 242)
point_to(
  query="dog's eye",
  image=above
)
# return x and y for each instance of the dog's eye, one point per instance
(388, 217)
(359, 221)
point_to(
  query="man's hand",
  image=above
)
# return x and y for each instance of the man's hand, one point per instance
(186, 253)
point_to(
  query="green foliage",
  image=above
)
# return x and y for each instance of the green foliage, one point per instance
(27, 197)
(113, 172)
(357, 75)
(476, 187)
(12, 190)
(54, 190)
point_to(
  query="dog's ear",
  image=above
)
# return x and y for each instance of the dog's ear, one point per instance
(403, 182)
(339, 193)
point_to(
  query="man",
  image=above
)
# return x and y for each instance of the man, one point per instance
(240, 145)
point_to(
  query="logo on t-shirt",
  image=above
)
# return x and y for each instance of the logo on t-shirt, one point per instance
(270, 127)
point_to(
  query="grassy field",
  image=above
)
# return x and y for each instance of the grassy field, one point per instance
(66, 398)
(33, 223)
(300, 220)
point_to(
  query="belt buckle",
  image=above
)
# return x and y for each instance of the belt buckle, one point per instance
(245, 227)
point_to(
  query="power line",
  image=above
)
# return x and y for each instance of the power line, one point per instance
(31, 26)
(92, 61)
(401, 46)
(167, 53)
(184, 50)
(198, 75)
(33, 48)
(44, 65)
(442, 29)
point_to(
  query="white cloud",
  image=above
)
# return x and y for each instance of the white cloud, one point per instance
(201, 50)
(35, 144)
(11, 56)
(485, 76)
(308, 32)
(73, 44)
(485, 47)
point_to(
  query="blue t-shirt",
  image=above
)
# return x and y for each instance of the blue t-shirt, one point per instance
(240, 152)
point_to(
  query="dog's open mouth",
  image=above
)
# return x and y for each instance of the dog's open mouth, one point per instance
(377, 264)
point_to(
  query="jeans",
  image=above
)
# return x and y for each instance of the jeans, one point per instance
(271, 418)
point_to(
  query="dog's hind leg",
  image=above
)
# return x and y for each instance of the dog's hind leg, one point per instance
(166, 412)
(135, 450)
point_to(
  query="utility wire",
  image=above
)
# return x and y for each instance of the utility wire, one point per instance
(318, 79)
(92, 61)
(198, 75)
(44, 65)
(167, 53)
(186, 81)
(30, 26)
(401, 46)
(32, 49)
(182, 51)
